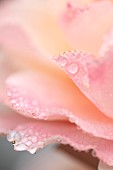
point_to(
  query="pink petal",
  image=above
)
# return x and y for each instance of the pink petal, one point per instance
(53, 97)
(31, 135)
(9, 119)
(85, 26)
(92, 76)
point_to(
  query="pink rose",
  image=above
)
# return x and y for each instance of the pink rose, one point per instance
(67, 98)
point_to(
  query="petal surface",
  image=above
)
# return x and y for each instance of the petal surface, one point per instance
(34, 16)
(92, 76)
(85, 26)
(28, 134)
(52, 97)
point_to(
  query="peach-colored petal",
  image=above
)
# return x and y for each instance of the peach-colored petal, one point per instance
(36, 17)
(48, 96)
(93, 76)
(85, 26)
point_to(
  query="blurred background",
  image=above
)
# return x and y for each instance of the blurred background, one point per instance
(57, 157)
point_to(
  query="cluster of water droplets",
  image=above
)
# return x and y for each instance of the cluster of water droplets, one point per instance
(74, 63)
(30, 108)
(30, 140)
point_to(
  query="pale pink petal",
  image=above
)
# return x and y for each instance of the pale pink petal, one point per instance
(85, 26)
(32, 135)
(9, 119)
(53, 97)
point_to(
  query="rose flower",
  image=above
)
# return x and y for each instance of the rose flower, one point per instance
(56, 75)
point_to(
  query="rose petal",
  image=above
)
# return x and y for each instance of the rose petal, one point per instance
(31, 135)
(41, 133)
(9, 119)
(85, 26)
(50, 96)
(33, 16)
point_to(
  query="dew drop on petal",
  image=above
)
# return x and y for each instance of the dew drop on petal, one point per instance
(13, 101)
(72, 68)
(28, 143)
(34, 139)
(32, 150)
(13, 136)
(94, 153)
(20, 147)
(62, 61)
(9, 94)
(72, 118)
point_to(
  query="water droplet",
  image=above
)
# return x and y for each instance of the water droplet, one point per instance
(94, 153)
(34, 139)
(62, 60)
(24, 140)
(28, 143)
(72, 118)
(32, 150)
(13, 136)
(13, 101)
(34, 115)
(73, 68)
(43, 116)
(9, 94)
(20, 147)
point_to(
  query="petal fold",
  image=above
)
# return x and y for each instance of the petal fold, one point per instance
(39, 95)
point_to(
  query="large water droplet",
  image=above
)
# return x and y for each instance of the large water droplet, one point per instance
(20, 147)
(13, 136)
(72, 68)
